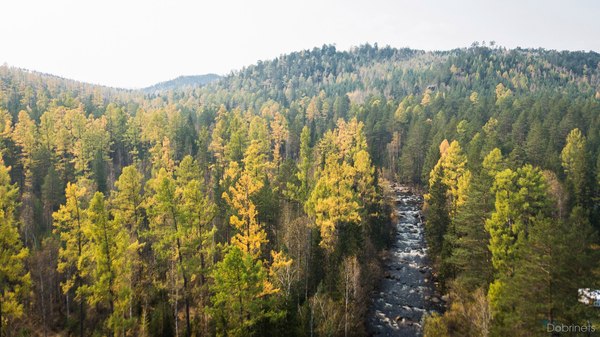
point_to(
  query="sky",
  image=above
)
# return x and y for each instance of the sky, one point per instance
(137, 43)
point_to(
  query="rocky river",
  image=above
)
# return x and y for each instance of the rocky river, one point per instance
(407, 291)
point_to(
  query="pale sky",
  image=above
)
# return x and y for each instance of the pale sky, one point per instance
(134, 43)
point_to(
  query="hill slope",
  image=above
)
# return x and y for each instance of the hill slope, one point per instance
(183, 82)
(287, 160)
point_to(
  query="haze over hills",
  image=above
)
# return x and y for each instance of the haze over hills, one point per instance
(182, 82)
(259, 203)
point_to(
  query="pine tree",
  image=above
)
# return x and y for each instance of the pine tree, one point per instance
(519, 197)
(238, 137)
(521, 203)
(52, 190)
(454, 173)
(576, 164)
(25, 135)
(127, 208)
(301, 190)
(471, 255)
(15, 281)
(437, 212)
(451, 177)
(166, 229)
(251, 235)
(196, 231)
(333, 203)
(279, 134)
(556, 263)
(106, 265)
(239, 301)
(364, 174)
(69, 222)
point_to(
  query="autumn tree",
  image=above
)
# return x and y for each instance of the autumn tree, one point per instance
(196, 231)
(251, 235)
(448, 183)
(332, 202)
(25, 135)
(127, 208)
(279, 135)
(165, 226)
(105, 264)
(15, 280)
(69, 222)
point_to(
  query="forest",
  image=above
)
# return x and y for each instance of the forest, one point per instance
(259, 204)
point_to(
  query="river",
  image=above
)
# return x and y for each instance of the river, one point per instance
(407, 290)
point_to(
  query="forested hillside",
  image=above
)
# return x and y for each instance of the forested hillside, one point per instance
(182, 82)
(256, 205)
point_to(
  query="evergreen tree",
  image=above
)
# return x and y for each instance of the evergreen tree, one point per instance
(555, 264)
(165, 226)
(15, 280)
(105, 264)
(300, 191)
(69, 222)
(332, 202)
(576, 164)
(239, 301)
(197, 233)
(521, 202)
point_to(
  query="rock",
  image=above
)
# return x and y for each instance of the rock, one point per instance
(435, 300)
(445, 298)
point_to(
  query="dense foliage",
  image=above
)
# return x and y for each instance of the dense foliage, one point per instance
(255, 205)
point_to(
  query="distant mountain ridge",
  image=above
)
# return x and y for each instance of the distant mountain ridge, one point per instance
(182, 82)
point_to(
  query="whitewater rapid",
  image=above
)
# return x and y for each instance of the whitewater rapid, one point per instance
(407, 291)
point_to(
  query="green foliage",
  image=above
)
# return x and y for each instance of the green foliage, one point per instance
(300, 191)
(69, 222)
(576, 164)
(239, 302)
(435, 327)
(323, 128)
(15, 280)
(106, 265)
(521, 196)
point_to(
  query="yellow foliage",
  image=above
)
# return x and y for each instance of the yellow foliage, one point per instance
(251, 235)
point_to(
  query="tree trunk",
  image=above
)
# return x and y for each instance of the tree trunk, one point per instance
(185, 280)
(1, 298)
(42, 301)
(81, 317)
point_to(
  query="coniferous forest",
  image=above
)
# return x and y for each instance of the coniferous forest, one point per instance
(259, 204)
